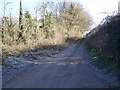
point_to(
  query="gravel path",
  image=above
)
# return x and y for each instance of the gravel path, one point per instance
(68, 69)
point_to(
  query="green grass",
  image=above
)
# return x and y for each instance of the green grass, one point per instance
(103, 62)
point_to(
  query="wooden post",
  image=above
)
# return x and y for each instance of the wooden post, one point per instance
(119, 7)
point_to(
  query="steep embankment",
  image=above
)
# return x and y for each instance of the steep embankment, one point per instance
(104, 44)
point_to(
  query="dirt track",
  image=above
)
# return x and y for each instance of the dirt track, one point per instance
(68, 69)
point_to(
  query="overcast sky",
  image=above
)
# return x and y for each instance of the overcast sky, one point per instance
(94, 7)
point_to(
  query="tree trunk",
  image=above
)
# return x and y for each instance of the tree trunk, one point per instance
(20, 16)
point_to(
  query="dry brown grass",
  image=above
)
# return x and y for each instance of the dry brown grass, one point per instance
(14, 47)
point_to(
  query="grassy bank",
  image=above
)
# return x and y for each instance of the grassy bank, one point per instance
(103, 43)
(103, 62)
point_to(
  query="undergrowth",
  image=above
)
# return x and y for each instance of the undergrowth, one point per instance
(103, 62)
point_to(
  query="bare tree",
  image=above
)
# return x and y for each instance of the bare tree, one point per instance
(36, 9)
(5, 4)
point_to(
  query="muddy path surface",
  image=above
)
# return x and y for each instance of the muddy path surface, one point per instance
(68, 69)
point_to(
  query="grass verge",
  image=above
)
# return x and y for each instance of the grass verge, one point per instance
(103, 62)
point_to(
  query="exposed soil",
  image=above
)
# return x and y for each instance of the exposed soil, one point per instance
(68, 69)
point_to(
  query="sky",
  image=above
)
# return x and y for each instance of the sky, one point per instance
(94, 7)
(97, 8)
